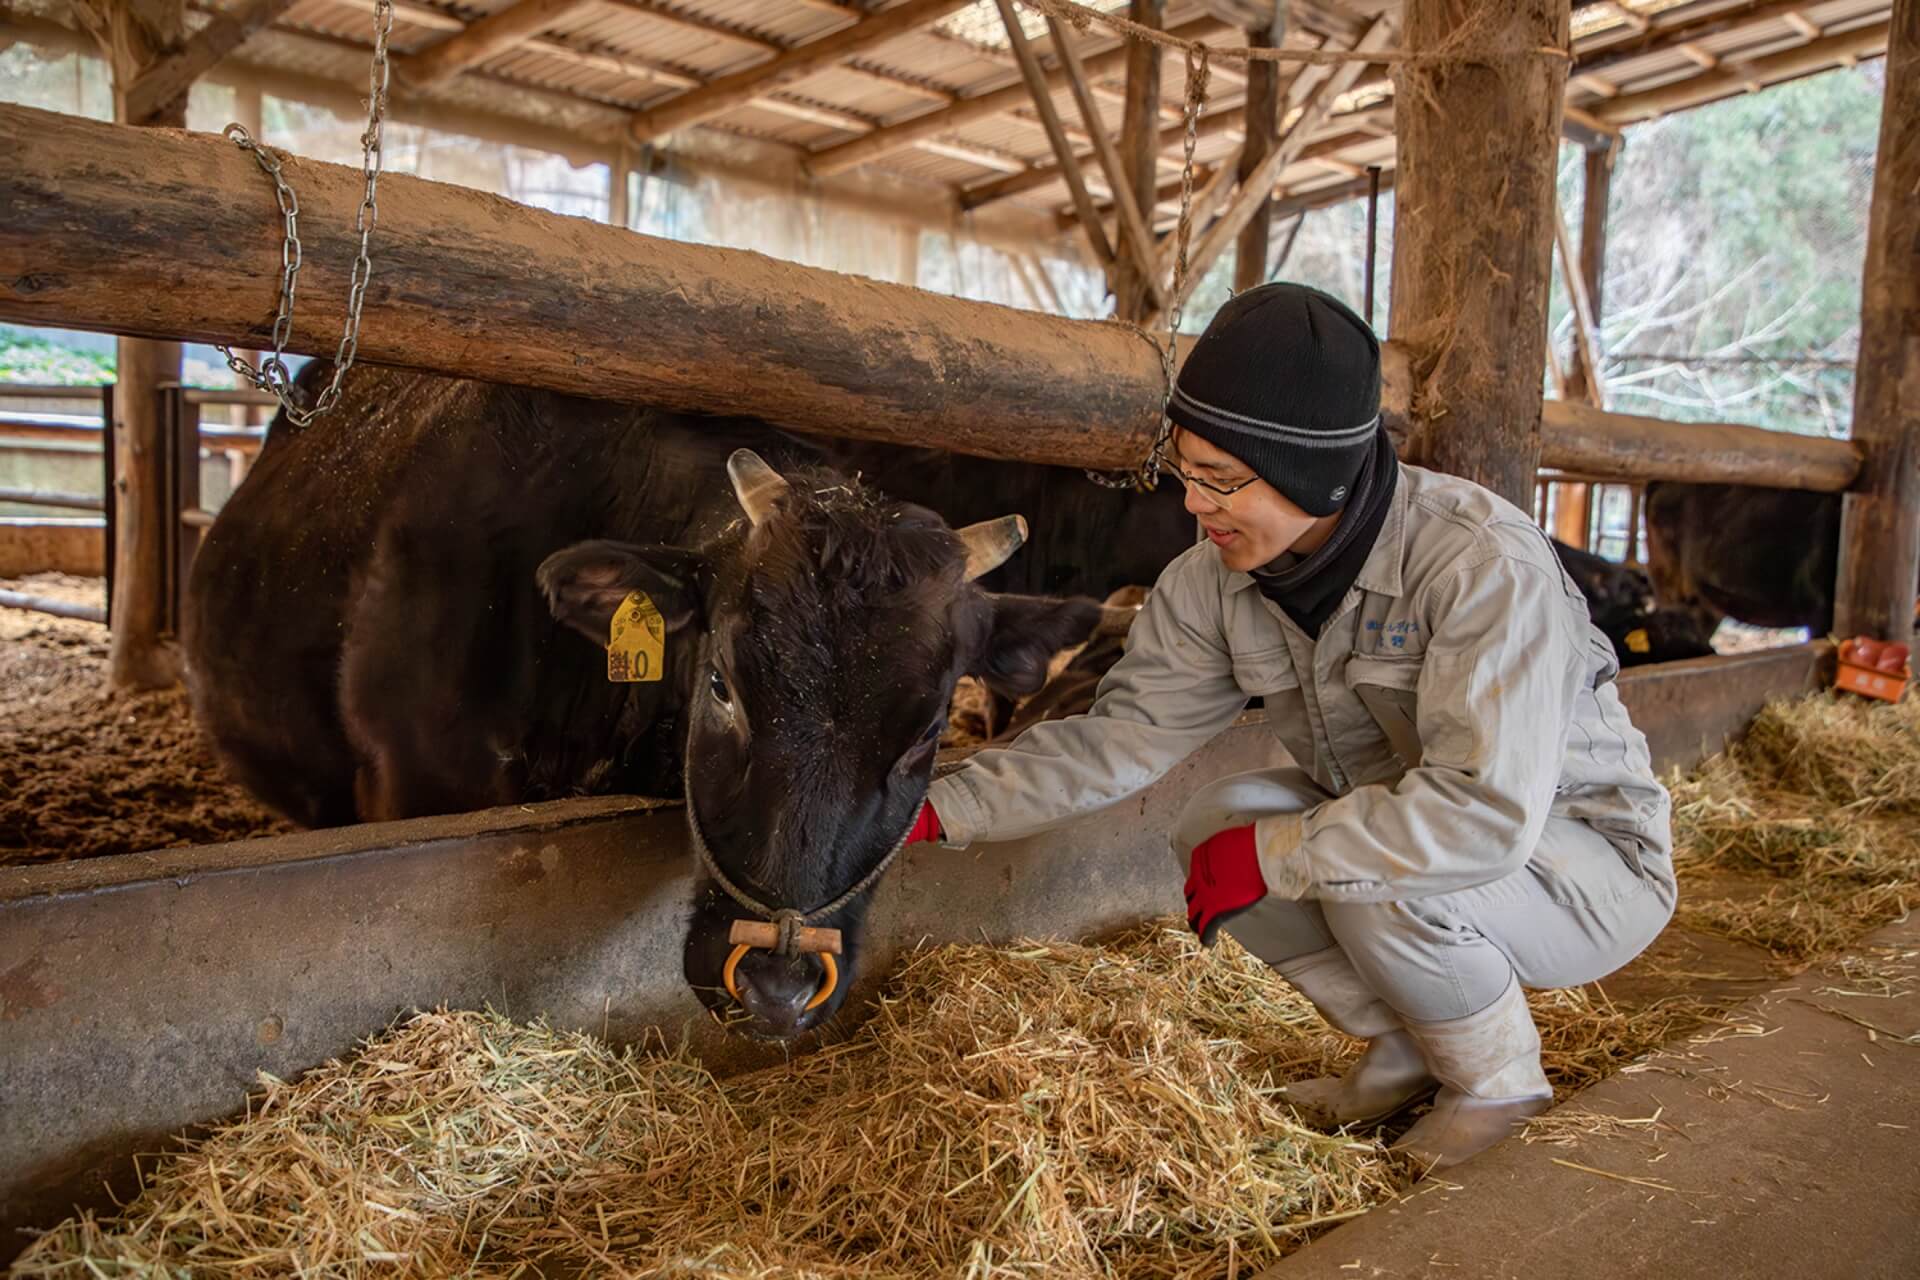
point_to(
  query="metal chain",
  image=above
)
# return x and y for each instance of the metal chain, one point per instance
(1146, 476)
(272, 375)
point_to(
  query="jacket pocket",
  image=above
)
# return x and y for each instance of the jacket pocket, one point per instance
(1389, 688)
(1265, 672)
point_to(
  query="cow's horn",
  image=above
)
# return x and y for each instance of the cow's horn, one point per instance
(990, 542)
(757, 485)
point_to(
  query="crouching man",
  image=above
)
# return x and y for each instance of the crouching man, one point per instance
(1474, 812)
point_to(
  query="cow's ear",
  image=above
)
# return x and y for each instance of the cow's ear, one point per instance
(1027, 632)
(585, 584)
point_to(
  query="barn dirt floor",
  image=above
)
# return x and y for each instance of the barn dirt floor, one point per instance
(1776, 1141)
(86, 770)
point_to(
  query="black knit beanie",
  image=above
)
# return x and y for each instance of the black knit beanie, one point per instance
(1286, 379)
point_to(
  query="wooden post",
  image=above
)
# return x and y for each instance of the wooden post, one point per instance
(1596, 192)
(1139, 144)
(1263, 134)
(1572, 505)
(1880, 527)
(1473, 242)
(619, 170)
(136, 35)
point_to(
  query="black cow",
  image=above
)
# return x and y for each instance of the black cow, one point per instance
(1620, 601)
(382, 623)
(1766, 557)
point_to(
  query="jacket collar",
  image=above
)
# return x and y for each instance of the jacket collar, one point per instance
(1380, 573)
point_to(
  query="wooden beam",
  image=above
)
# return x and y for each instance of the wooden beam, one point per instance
(1473, 245)
(1056, 136)
(1585, 129)
(847, 155)
(1323, 197)
(1257, 188)
(1140, 146)
(1738, 76)
(1226, 121)
(1586, 335)
(1596, 195)
(721, 95)
(487, 38)
(174, 74)
(1587, 441)
(468, 285)
(1880, 527)
(1801, 23)
(1135, 234)
(1697, 56)
(1262, 120)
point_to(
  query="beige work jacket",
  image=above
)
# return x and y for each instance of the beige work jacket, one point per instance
(1457, 698)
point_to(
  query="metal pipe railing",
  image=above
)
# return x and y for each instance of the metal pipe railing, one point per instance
(54, 498)
(58, 608)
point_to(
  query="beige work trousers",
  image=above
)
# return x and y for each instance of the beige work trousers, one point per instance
(1576, 911)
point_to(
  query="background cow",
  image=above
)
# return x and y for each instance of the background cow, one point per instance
(402, 611)
(1766, 557)
(1620, 600)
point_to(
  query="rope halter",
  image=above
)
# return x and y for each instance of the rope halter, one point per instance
(782, 930)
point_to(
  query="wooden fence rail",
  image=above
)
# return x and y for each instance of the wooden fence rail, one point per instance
(473, 285)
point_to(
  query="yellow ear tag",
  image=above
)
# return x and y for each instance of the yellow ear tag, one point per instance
(636, 641)
(1637, 641)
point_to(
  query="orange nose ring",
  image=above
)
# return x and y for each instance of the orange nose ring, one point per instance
(750, 935)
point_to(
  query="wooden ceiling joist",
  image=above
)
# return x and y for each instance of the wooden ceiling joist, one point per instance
(1258, 187)
(487, 38)
(1669, 30)
(932, 124)
(173, 75)
(1042, 95)
(1132, 224)
(1737, 76)
(723, 94)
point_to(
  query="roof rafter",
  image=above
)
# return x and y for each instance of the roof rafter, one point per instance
(724, 93)
(487, 38)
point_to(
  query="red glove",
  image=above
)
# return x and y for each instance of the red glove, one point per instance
(1223, 879)
(926, 826)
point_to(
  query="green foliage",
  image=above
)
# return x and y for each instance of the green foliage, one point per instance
(1735, 240)
(29, 359)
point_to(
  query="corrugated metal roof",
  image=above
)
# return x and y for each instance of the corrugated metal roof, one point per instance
(643, 52)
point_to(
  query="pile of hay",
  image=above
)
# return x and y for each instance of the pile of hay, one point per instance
(1057, 1110)
(1820, 797)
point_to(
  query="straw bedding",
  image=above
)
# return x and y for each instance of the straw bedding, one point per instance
(1046, 1110)
(1820, 798)
(1059, 1110)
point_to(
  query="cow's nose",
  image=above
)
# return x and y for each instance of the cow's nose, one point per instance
(776, 991)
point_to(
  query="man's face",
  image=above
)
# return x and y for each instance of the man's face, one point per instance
(1250, 526)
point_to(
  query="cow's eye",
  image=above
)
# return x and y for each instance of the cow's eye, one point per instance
(717, 685)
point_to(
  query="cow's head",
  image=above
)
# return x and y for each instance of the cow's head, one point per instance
(817, 646)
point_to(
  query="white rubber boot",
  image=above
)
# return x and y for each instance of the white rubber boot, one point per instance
(1390, 1076)
(1490, 1079)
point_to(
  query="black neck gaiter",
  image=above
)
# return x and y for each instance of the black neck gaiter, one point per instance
(1311, 588)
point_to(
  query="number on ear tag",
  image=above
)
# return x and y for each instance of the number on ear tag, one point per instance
(636, 641)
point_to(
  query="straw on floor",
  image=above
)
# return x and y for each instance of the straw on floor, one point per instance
(1058, 1110)
(1820, 797)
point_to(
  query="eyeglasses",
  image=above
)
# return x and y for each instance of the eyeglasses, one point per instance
(1170, 460)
